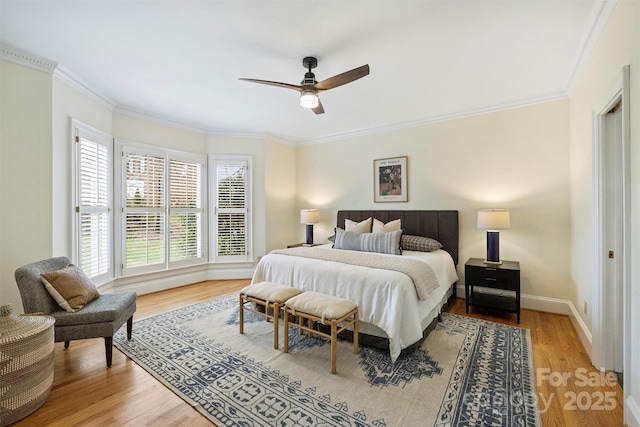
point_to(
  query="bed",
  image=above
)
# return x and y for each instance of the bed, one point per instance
(390, 309)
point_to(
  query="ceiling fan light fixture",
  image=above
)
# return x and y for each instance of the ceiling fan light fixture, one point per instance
(309, 98)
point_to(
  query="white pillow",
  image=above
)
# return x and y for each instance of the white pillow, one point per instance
(358, 227)
(381, 227)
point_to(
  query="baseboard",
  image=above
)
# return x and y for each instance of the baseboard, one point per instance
(632, 412)
(160, 281)
(155, 284)
(581, 329)
(551, 305)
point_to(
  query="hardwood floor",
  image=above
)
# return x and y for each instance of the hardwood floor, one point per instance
(86, 393)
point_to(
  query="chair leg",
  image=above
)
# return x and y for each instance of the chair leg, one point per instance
(129, 328)
(108, 347)
(66, 344)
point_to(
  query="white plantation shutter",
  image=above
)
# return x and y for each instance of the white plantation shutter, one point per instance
(93, 223)
(163, 207)
(144, 211)
(231, 218)
(185, 210)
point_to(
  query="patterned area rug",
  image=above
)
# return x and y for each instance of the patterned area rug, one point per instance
(467, 372)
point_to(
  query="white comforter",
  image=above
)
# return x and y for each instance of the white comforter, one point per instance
(385, 298)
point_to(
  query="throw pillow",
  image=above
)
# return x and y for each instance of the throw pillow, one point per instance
(384, 243)
(419, 243)
(381, 227)
(358, 227)
(70, 287)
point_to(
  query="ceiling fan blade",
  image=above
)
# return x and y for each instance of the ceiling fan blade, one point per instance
(318, 109)
(269, 82)
(344, 78)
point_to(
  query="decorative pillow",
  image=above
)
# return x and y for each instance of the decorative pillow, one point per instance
(358, 227)
(381, 227)
(419, 243)
(70, 287)
(384, 243)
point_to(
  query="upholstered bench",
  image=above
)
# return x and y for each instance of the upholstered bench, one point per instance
(327, 310)
(271, 296)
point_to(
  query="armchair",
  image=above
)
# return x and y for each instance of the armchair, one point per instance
(99, 318)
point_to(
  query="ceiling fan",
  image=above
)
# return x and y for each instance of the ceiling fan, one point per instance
(309, 87)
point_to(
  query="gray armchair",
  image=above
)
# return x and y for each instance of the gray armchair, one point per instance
(100, 318)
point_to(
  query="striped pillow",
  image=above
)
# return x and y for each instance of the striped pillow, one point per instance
(419, 243)
(384, 243)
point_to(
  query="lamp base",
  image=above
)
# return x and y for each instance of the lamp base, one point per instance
(493, 247)
(309, 234)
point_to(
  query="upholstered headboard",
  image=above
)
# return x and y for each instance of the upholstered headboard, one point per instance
(439, 225)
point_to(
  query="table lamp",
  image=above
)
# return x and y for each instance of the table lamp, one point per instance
(309, 217)
(493, 220)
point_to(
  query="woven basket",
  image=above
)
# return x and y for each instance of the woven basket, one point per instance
(26, 364)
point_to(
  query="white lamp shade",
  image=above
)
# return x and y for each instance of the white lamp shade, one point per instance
(309, 216)
(309, 99)
(493, 219)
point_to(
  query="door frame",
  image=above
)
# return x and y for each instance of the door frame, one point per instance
(618, 92)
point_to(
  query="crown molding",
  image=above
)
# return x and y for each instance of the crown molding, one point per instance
(21, 57)
(597, 24)
(440, 118)
(82, 86)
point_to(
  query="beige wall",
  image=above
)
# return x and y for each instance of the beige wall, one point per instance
(618, 46)
(516, 159)
(135, 129)
(282, 219)
(26, 226)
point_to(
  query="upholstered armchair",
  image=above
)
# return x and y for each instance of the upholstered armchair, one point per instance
(99, 318)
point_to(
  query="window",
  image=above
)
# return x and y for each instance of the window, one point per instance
(185, 207)
(144, 210)
(93, 222)
(162, 209)
(231, 221)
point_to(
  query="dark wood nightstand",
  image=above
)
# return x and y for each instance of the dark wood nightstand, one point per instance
(297, 245)
(505, 276)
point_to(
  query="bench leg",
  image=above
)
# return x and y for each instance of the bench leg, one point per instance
(286, 331)
(276, 317)
(334, 339)
(355, 333)
(66, 344)
(241, 320)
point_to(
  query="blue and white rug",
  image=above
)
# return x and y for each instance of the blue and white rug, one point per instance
(468, 372)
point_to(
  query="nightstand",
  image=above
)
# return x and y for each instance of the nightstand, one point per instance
(297, 245)
(505, 276)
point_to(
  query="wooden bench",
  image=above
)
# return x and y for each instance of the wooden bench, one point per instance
(328, 310)
(271, 296)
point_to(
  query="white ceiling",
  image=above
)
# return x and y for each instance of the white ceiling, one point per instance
(180, 60)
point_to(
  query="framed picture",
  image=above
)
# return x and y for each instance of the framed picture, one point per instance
(390, 180)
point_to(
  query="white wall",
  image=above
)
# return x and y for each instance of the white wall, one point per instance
(25, 173)
(68, 103)
(618, 46)
(516, 159)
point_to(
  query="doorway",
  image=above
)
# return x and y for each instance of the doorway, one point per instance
(612, 237)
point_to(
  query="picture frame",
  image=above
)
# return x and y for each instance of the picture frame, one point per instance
(390, 183)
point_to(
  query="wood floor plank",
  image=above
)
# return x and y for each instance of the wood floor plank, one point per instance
(86, 393)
